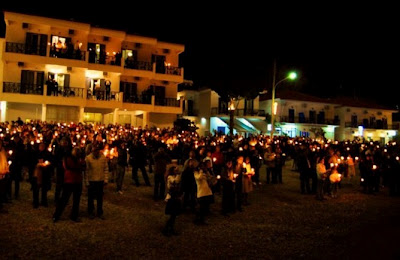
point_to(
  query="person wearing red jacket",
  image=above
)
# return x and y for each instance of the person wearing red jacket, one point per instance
(73, 167)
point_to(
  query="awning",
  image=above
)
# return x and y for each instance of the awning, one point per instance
(259, 124)
(239, 126)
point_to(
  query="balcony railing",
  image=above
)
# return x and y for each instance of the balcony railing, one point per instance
(105, 60)
(15, 47)
(25, 49)
(102, 95)
(138, 65)
(67, 53)
(137, 99)
(375, 125)
(67, 92)
(22, 88)
(309, 121)
(238, 112)
(173, 70)
(168, 102)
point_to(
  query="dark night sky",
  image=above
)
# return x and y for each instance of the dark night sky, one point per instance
(337, 49)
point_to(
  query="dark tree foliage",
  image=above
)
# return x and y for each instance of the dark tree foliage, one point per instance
(183, 124)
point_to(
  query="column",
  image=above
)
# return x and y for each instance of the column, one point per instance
(3, 111)
(115, 116)
(81, 114)
(44, 112)
(146, 118)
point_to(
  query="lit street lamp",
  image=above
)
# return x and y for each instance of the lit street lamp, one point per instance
(291, 76)
(231, 109)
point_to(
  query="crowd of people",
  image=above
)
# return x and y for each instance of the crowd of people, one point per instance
(189, 170)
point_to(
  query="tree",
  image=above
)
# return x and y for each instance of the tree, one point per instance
(183, 124)
(318, 132)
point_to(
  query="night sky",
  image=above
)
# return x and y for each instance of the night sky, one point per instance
(336, 49)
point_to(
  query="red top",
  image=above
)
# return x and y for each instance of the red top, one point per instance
(72, 170)
(219, 158)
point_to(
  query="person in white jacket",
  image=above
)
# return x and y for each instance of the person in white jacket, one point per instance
(96, 176)
(204, 193)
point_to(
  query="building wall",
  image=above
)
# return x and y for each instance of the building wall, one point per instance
(25, 111)
(366, 113)
(62, 113)
(161, 120)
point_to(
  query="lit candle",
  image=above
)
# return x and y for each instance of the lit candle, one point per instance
(374, 167)
(362, 179)
(397, 158)
(240, 149)
(218, 177)
(32, 142)
(235, 175)
(356, 158)
(214, 159)
(9, 162)
(46, 163)
(348, 148)
(49, 149)
(10, 152)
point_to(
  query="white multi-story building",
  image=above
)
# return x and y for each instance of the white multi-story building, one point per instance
(103, 75)
(297, 114)
(210, 112)
(340, 118)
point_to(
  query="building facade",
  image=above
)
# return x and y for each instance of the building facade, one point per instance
(298, 114)
(211, 114)
(58, 70)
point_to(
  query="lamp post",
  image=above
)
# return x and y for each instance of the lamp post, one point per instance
(291, 76)
(231, 109)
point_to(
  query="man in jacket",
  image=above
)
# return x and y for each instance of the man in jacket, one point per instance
(96, 177)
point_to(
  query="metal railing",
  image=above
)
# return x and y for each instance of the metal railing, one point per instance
(309, 121)
(173, 70)
(168, 102)
(137, 99)
(15, 47)
(66, 92)
(103, 95)
(25, 48)
(138, 65)
(375, 125)
(67, 53)
(22, 88)
(107, 60)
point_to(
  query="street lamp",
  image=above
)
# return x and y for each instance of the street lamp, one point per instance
(231, 109)
(291, 76)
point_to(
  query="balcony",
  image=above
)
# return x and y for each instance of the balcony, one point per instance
(172, 70)
(67, 53)
(67, 92)
(238, 112)
(102, 95)
(306, 120)
(138, 65)
(32, 89)
(375, 125)
(25, 49)
(167, 102)
(134, 99)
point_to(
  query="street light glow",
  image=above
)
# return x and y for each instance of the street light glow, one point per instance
(292, 75)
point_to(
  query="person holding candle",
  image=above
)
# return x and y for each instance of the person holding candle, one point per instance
(228, 194)
(204, 193)
(73, 168)
(42, 175)
(247, 184)
(188, 185)
(239, 168)
(96, 176)
(173, 207)
(321, 175)
(4, 172)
